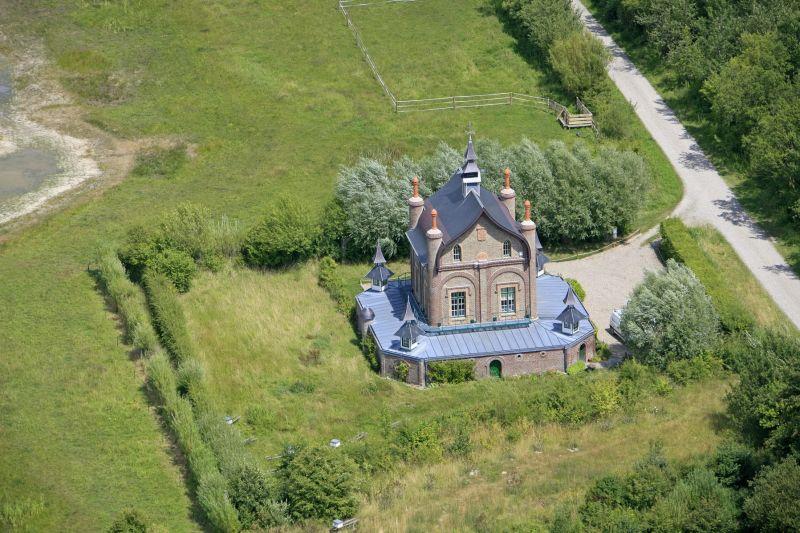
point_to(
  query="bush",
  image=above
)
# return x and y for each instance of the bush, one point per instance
(542, 22)
(401, 371)
(580, 61)
(177, 266)
(669, 317)
(775, 502)
(697, 503)
(677, 243)
(129, 521)
(285, 235)
(331, 280)
(318, 483)
(168, 317)
(451, 371)
(702, 367)
(420, 443)
(370, 351)
(250, 494)
(734, 464)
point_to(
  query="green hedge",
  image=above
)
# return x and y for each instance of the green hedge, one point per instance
(677, 243)
(332, 281)
(211, 486)
(168, 317)
(451, 371)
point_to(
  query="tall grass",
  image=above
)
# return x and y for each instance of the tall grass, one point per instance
(128, 302)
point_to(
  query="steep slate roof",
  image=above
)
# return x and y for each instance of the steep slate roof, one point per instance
(457, 214)
(545, 333)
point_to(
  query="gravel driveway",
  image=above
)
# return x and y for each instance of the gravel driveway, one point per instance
(609, 277)
(707, 199)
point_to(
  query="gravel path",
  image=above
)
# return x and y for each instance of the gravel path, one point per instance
(707, 199)
(609, 278)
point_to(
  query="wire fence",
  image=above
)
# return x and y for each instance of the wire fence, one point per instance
(462, 101)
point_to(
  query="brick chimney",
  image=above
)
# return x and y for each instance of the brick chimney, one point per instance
(528, 228)
(508, 196)
(415, 204)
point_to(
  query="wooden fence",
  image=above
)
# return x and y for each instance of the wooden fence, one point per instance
(567, 119)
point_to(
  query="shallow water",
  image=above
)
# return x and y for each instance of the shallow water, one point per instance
(23, 168)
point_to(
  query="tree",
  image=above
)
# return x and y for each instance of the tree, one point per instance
(666, 22)
(177, 265)
(285, 235)
(669, 317)
(318, 483)
(374, 202)
(580, 61)
(249, 493)
(543, 21)
(774, 144)
(748, 85)
(775, 502)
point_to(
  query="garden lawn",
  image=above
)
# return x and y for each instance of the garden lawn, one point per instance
(272, 97)
(277, 353)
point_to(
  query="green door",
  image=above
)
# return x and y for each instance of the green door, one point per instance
(495, 369)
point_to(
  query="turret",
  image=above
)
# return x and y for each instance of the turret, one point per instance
(470, 173)
(528, 228)
(379, 275)
(415, 204)
(434, 242)
(508, 196)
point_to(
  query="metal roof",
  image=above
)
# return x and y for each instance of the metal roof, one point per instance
(544, 333)
(570, 316)
(378, 259)
(379, 273)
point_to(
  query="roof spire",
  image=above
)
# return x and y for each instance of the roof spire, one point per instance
(571, 298)
(378, 259)
(409, 314)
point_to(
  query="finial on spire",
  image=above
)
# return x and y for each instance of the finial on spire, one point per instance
(527, 210)
(415, 183)
(378, 259)
(507, 174)
(434, 223)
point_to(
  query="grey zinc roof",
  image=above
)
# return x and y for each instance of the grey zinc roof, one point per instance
(542, 334)
(571, 316)
(379, 273)
(378, 259)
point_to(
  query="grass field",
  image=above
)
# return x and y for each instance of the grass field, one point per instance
(762, 202)
(273, 97)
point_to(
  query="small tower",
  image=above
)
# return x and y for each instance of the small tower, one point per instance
(434, 235)
(409, 332)
(470, 173)
(508, 196)
(379, 274)
(415, 204)
(528, 228)
(571, 317)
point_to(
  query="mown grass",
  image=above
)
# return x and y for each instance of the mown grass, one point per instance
(763, 201)
(275, 97)
(277, 352)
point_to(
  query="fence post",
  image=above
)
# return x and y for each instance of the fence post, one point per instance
(511, 98)
(454, 101)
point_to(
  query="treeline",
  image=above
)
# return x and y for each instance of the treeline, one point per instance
(739, 61)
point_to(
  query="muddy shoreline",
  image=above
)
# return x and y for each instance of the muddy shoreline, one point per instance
(41, 116)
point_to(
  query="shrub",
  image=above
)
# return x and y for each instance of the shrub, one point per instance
(401, 371)
(577, 287)
(332, 281)
(250, 493)
(318, 483)
(370, 351)
(774, 504)
(696, 369)
(542, 22)
(176, 265)
(420, 443)
(576, 368)
(451, 371)
(669, 317)
(129, 521)
(734, 464)
(568, 401)
(605, 395)
(697, 503)
(168, 317)
(285, 235)
(677, 243)
(580, 61)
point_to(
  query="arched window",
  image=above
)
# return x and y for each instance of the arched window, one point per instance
(507, 248)
(457, 252)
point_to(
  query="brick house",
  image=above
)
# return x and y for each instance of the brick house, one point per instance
(477, 289)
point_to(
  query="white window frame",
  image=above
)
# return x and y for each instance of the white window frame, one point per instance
(505, 301)
(457, 253)
(458, 311)
(507, 248)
